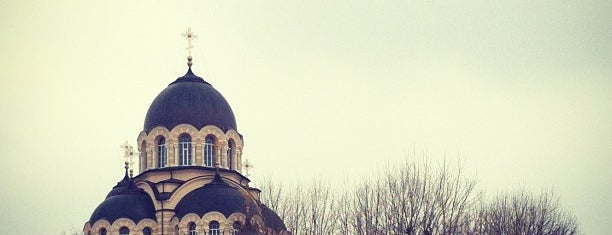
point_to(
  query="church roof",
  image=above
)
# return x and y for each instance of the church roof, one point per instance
(216, 196)
(125, 200)
(271, 219)
(190, 100)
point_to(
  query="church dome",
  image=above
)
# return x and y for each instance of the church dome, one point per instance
(190, 100)
(125, 201)
(271, 219)
(216, 196)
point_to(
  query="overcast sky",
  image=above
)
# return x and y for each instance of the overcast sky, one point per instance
(519, 90)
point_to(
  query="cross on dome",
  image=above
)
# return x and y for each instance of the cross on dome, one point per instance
(189, 36)
(247, 166)
(128, 154)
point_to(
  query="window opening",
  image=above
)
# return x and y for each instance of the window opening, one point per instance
(146, 231)
(192, 229)
(213, 228)
(185, 150)
(143, 156)
(236, 228)
(230, 153)
(209, 151)
(124, 231)
(162, 153)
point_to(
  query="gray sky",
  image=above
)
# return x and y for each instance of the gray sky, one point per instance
(519, 90)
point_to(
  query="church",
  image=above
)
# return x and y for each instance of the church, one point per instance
(190, 178)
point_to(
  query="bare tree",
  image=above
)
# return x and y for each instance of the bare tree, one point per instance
(525, 213)
(368, 205)
(415, 198)
(271, 193)
(320, 209)
(343, 212)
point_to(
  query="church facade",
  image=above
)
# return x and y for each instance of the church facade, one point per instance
(190, 178)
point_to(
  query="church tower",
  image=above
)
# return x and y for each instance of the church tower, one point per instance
(190, 179)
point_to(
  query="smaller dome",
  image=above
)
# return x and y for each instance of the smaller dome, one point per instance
(215, 196)
(125, 200)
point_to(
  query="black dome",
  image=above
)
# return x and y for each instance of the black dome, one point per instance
(125, 201)
(271, 219)
(190, 100)
(215, 196)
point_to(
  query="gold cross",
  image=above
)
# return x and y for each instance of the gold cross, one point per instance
(189, 36)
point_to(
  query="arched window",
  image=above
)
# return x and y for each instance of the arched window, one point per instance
(124, 231)
(192, 229)
(213, 228)
(230, 153)
(162, 153)
(143, 156)
(102, 231)
(146, 231)
(209, 151)
(236, 227)
(184, 149)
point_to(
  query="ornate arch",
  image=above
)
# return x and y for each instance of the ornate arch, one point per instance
(141, 137)
(219, 144)
(184, 128)
(235, 217)
(100, 224)
(175, 134)
(86, 228)
(157, 131)
(151, 141)
(213, 215)
(232, 134)
(213, 130)
(186, 220)
(146, 223)
(122, 222)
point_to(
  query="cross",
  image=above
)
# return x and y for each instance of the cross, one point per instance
(128, 154)
(247, 166)
(189, 36)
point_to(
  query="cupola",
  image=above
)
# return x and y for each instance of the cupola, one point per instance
(190, 100)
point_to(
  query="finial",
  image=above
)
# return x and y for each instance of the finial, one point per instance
(189, 36)
(189, 63)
